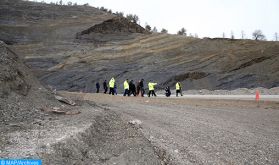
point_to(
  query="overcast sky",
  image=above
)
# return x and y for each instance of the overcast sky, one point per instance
(207, 18)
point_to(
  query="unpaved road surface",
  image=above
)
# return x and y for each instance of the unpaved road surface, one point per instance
(227, 97)
(192, 131)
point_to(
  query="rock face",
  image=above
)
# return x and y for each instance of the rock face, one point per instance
(166, 59)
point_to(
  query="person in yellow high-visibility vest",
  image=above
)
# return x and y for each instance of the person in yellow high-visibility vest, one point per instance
(126, 88)
(151, 88)
(111, 86)
(178, 88)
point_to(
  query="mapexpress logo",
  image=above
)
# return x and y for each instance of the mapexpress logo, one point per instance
(20, 162)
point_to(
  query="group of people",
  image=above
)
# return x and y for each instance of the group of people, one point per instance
(136, 90)
(178, 89)
(129, 87)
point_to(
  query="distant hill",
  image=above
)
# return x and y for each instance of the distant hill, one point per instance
(23, 21)
(72, 47)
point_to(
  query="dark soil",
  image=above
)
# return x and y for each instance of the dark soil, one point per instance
(21, 95)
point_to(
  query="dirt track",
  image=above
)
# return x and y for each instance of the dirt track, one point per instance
(203, 131)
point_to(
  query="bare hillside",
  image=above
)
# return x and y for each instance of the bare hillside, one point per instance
(21, 94)
(25, 22)
(55, 45)
(198, 63)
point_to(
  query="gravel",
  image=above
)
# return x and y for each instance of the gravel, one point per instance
(30, 130)
(239, 91)
(189, 131)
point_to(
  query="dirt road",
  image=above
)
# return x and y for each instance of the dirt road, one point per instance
(227, 97)
(195, 131)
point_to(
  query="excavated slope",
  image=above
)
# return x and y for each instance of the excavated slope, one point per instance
(166, 59)
(65, 62)
(21, 95)
(82, 138)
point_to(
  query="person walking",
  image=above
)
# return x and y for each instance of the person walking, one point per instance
(168, 92)
(115, 89)
(105, 86)
(151, 87)
(126, 88)
(132, 88)
(97, 87)
(142, 91)
(138, 88)
(178, 88)
(111, 86)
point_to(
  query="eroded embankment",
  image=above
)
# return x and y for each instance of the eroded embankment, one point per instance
(108, 140)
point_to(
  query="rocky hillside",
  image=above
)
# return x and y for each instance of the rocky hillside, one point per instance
(82, 45)
(25, 22)
(21, 95)
(197, 63)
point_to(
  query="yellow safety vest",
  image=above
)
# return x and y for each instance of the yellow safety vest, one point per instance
(111, 83)
(151, 86)
(126, 85)
(177, 86)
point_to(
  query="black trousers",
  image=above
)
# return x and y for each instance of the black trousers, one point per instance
(132, 92)
(142, 92)
(111, 91)
(126, 92)
(106, 89)
(168, 93)
(151, 92)
(98, 90)
(178, 91)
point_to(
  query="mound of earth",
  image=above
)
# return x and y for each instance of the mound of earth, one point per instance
(21, 94)
(115, 25)
(117, 28)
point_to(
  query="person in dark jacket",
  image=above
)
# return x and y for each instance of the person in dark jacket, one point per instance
(132, 88)
(97, 87)
(168, 92)
(115, 88)
(105, 86)
(138, 88)
(142, 91)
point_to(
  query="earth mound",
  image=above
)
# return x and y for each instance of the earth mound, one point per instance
(117, 28)
(21, 95)
(114, 25)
